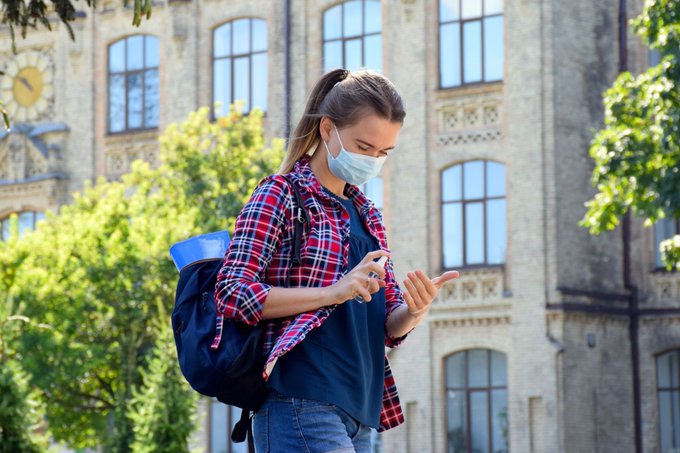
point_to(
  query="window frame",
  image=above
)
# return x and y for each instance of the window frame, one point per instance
(125, 74)
(659, 267)
(659, 390)
(469, 390)
(461, 56)
(463, 201)
(5, 220)
(342, 38)
(231, 56)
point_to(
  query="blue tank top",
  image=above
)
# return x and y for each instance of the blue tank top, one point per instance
(342, 362)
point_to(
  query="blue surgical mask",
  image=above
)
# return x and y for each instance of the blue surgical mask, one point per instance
(354, 168)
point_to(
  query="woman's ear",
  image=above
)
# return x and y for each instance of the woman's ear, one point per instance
(325, 128)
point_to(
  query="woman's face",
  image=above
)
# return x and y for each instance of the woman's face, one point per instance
(372, 136)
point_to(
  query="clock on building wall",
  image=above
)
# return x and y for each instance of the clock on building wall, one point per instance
(26, 88)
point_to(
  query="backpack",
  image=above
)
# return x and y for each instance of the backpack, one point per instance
(233, 372)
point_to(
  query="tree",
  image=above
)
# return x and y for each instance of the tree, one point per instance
(637, 154)
(163, 410)
(99, 271)
(21, 424)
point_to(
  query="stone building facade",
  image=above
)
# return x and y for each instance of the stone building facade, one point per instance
(532, 348)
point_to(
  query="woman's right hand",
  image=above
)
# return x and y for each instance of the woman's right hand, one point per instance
(357, 282)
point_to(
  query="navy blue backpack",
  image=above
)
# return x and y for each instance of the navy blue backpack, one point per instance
(233, 372)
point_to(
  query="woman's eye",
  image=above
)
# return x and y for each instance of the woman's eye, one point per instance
(363, 148)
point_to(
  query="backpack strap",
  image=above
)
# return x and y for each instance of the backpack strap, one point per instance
(300, 217)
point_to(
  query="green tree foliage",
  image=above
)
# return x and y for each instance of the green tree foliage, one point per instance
(21, 413)
(163, 411)
(637, 154)
(99, 272)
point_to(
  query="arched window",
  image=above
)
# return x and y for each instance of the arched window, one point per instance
(133, 84)
(352, 35)
(473, 214)
(470, 41)
(240, 64)
(477, 402)
(668, 392)
(27, 221)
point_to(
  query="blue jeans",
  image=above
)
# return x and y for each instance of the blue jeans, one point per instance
(290, 425)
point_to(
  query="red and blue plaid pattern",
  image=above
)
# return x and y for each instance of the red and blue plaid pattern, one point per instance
(259, 258)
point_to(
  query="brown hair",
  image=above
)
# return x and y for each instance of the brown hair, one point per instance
(345, 97)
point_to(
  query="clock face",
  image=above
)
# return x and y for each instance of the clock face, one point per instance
(26, 88)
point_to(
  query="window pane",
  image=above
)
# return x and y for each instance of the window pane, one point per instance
(479, 418)
(457, 435)
(493, 7)
(472, 51)
(493, 48)
(117, 56)
(135, 52)
(448, 10)
(151, 54)
(222, 84)
(222, 41)
(663, 370)
(116, 103)
(452, 234)
(372, 17)
(332, 55)
(665, 421)
(373, 52)
(259, 35)
(472, 8)
(452, 184)
(674, 369)
(135, 101)
(352, 18)
(449, 55)
(151, 98)
(25, 222)
(663, 229)
(218, 427)
(499, 369)
(474, 233)
(374, 191)
(495, 231)
(39, 216)
(5, 229)
(353, 57)
(332, 23)
(654, 57)
(495, 179)
(478, 370)
(241, 36)
(455, 371)
(474, 180)
(499, 420)
(675, 401)
(242, 81)
(260, 85)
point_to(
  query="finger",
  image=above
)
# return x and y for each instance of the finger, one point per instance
(374, 286)
(374, 255)
(445, 277)
(413, 292)
(430, 289)
(374, 266)
(420, 287)
(409, 300)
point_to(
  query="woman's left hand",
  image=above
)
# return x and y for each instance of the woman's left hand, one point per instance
(419, 291)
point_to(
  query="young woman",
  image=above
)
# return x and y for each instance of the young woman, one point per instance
(328, 379)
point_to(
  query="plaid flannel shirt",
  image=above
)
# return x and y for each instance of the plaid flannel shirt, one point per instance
(259, 258)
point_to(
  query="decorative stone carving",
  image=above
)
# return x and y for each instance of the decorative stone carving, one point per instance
(121, 152)
(474, 288)
(469, 119)
(665, 290)
(31, 150)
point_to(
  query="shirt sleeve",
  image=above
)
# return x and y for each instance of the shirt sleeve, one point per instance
(240, 291)
(393, 299)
